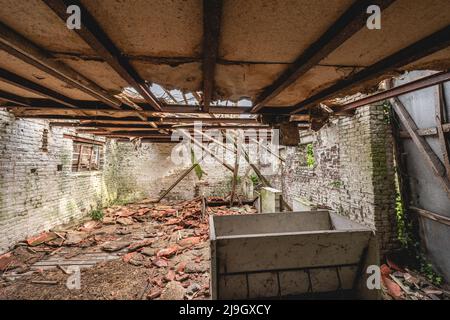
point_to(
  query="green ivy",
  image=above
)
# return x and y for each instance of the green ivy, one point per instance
(411, 243)
(336, 184)
(254, 179)
(310, 161)
(198, 169)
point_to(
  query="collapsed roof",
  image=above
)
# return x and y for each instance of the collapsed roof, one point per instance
(286, 56)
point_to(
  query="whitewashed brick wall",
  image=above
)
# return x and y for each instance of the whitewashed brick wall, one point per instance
(34, 195)
(354, 173)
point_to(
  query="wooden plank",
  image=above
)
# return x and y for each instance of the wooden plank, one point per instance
(353, 20)
(25, 50)
(6, 96)
(212, 13)
(45, 104)
(424, 148)
(236, 170)
(441, 116)
(113, 129)
(28, 85)
(207, 120)
(92, 34)
(182, 176)
(431, 215)
(83, 140)
(134, 134)
(424, 132)
(422, 48)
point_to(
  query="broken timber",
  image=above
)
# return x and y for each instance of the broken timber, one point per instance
(424, 148)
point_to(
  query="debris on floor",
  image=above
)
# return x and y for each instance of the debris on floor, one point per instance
(401, 283)
(137, 251)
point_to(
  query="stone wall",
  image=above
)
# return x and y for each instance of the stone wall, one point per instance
(353, 172)
(353, 175)
(38, 189)
(146, 171)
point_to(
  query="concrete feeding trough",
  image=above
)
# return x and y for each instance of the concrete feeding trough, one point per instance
(297, 254)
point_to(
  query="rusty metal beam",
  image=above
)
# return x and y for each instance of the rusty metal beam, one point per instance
(92, 34)
(415, 85)
(212, 13)
(353, 20)
(435, 42)
(23, 49)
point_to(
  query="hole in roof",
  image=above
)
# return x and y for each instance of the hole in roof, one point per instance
(179, 97)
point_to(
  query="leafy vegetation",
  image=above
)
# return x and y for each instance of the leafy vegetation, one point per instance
(255, 179)
(387, 111)
(409, 240)
(198, 169)
(96, 214)
(336, 184)
(310, 160)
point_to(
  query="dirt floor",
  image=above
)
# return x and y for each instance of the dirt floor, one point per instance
(138, 251)
(146, 251)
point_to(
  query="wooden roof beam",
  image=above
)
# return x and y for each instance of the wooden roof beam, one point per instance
(23, 49)
(6, 96)
(28, 85)
(207, 120)
(92, 34)
(212, 14)
(353, 20)
(422, 48)
(45, 104)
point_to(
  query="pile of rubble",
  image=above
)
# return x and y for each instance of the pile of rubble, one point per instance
(168, 241)
(401, 283)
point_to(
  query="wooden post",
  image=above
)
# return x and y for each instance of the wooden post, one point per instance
(185, 173)
(80, 156)
(260, 176)
(236, 171)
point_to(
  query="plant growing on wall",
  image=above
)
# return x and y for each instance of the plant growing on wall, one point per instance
(310, 160)
(410, 240)
(255, 179)
(336, 184)
(198, 169)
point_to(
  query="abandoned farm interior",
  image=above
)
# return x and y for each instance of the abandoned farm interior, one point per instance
(224, 149)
